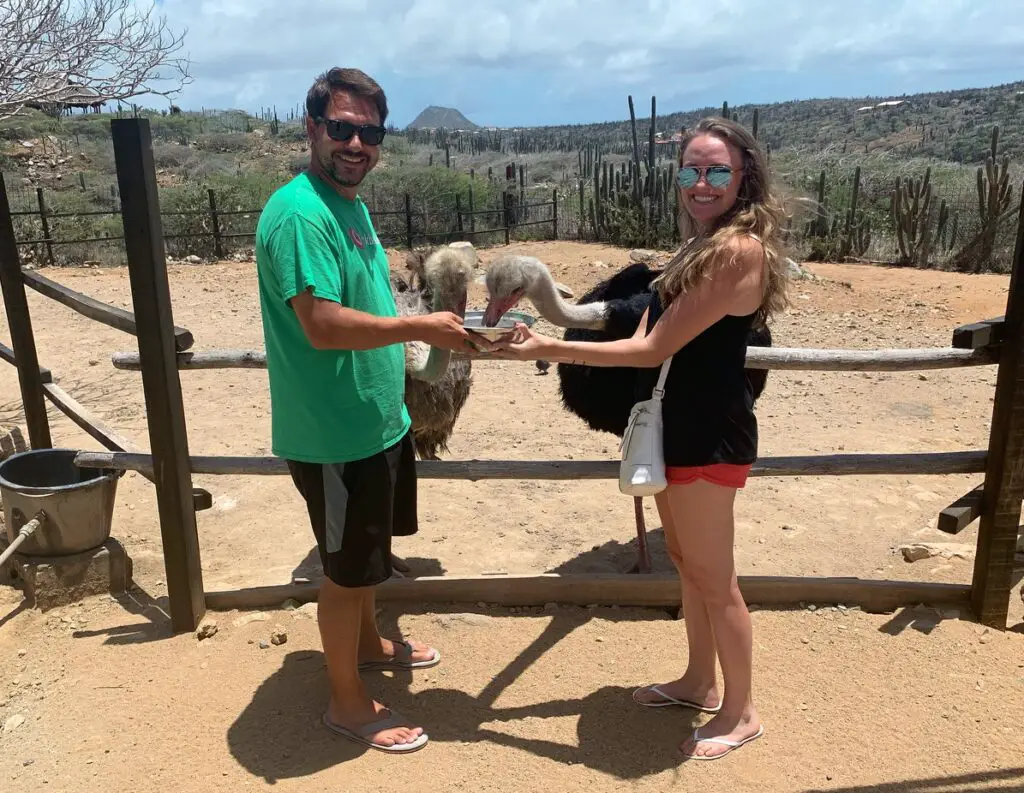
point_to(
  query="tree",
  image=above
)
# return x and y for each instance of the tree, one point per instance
(59, 52)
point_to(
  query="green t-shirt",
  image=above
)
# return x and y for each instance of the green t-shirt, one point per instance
(326, 405)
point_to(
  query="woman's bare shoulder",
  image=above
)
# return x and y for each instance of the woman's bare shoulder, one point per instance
(745, 253)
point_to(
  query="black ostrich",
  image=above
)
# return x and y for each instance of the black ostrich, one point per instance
(602, 396)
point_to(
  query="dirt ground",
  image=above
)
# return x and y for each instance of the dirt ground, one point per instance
(535, 698)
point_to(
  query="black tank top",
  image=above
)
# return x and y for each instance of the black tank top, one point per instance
(708, 407)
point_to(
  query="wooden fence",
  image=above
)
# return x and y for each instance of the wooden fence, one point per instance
(163, 350)
(460, 224)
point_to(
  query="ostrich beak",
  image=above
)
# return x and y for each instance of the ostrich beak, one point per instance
(497, 306)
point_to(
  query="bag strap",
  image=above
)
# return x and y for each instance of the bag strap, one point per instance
(659, 389)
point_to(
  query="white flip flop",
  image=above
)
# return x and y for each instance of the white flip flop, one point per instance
(362, 734)
(671, 701)
(733, 745)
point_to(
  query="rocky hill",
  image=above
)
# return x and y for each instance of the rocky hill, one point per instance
(435, 117)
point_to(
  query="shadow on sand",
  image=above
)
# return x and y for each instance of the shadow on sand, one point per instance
(279, 735)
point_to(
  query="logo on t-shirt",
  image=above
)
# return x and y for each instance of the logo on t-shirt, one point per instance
(359, 240)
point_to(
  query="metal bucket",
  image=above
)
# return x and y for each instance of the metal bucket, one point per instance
(78, 502)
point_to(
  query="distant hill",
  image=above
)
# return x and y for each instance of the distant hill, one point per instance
(435, 117)
(949, 125)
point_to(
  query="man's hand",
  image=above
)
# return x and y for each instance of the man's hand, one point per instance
(330, 326)
(444, 330)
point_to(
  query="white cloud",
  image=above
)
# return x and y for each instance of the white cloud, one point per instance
(248, 51)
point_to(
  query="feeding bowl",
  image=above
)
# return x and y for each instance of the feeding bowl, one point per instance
(474, 322)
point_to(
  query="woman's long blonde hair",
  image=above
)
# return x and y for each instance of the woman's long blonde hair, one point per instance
(756, 211)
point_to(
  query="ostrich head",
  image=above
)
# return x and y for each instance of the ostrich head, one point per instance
(510, 278)
(444, 275)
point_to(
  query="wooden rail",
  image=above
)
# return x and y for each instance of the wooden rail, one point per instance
(656, 589)
(924, 463)
(111, 316)
(98, 430)
(962, 512)
(7, 354)
(788, 358)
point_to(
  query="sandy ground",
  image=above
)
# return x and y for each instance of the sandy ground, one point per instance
(106, 693)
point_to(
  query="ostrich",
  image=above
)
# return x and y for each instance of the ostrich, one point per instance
(602, 396)
(436, 385)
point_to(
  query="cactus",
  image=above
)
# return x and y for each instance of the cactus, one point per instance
(817, 227)
(851, 216)
(911, 207)
(946, 242)
(994, 198)
(862, 236)
(940, 226)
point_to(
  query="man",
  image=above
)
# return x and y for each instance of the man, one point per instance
(337, 379)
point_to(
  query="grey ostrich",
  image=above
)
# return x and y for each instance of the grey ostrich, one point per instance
(436, 384)
(602, 396)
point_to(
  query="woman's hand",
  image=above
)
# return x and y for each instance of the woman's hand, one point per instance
(525, 346)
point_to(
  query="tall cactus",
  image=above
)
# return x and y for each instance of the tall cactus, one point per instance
(911, 206)
(862, 236)
(994, 197)
(852, 221)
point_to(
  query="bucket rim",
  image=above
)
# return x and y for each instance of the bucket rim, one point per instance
(112, 474)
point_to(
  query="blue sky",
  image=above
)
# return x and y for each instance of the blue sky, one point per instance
(538, 62)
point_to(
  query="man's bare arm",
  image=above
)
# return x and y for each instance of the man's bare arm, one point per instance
(331, 326)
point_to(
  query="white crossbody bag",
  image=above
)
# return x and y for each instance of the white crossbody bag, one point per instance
(642, 470)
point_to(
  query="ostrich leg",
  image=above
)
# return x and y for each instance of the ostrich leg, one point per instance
(643, 555)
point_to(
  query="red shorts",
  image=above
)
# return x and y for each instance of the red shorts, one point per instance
(724, 474)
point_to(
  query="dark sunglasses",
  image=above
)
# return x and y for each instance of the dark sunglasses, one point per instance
(370, 134)
(717, 176)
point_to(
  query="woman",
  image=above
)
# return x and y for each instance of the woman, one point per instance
(729, 275)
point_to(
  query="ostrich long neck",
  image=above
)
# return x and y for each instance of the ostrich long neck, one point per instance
(557, 311)
(437, 361)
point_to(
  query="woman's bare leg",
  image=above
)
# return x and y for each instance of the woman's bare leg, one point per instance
(702, 515)
(697, 683)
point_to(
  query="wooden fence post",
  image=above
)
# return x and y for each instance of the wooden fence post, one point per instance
(458, 213)
(508, 205)
(165, 412)
(554, 213)
(20, 322)
(218, 248)
(583, 212)
(1004, 469)
(46, 225)
(408, 221)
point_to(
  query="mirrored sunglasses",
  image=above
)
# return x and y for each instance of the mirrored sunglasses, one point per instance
(717, 176)
(370, 134)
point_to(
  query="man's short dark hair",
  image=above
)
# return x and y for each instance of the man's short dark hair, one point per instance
(353, 81)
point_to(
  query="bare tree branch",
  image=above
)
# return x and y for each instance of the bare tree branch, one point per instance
(58, 52)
